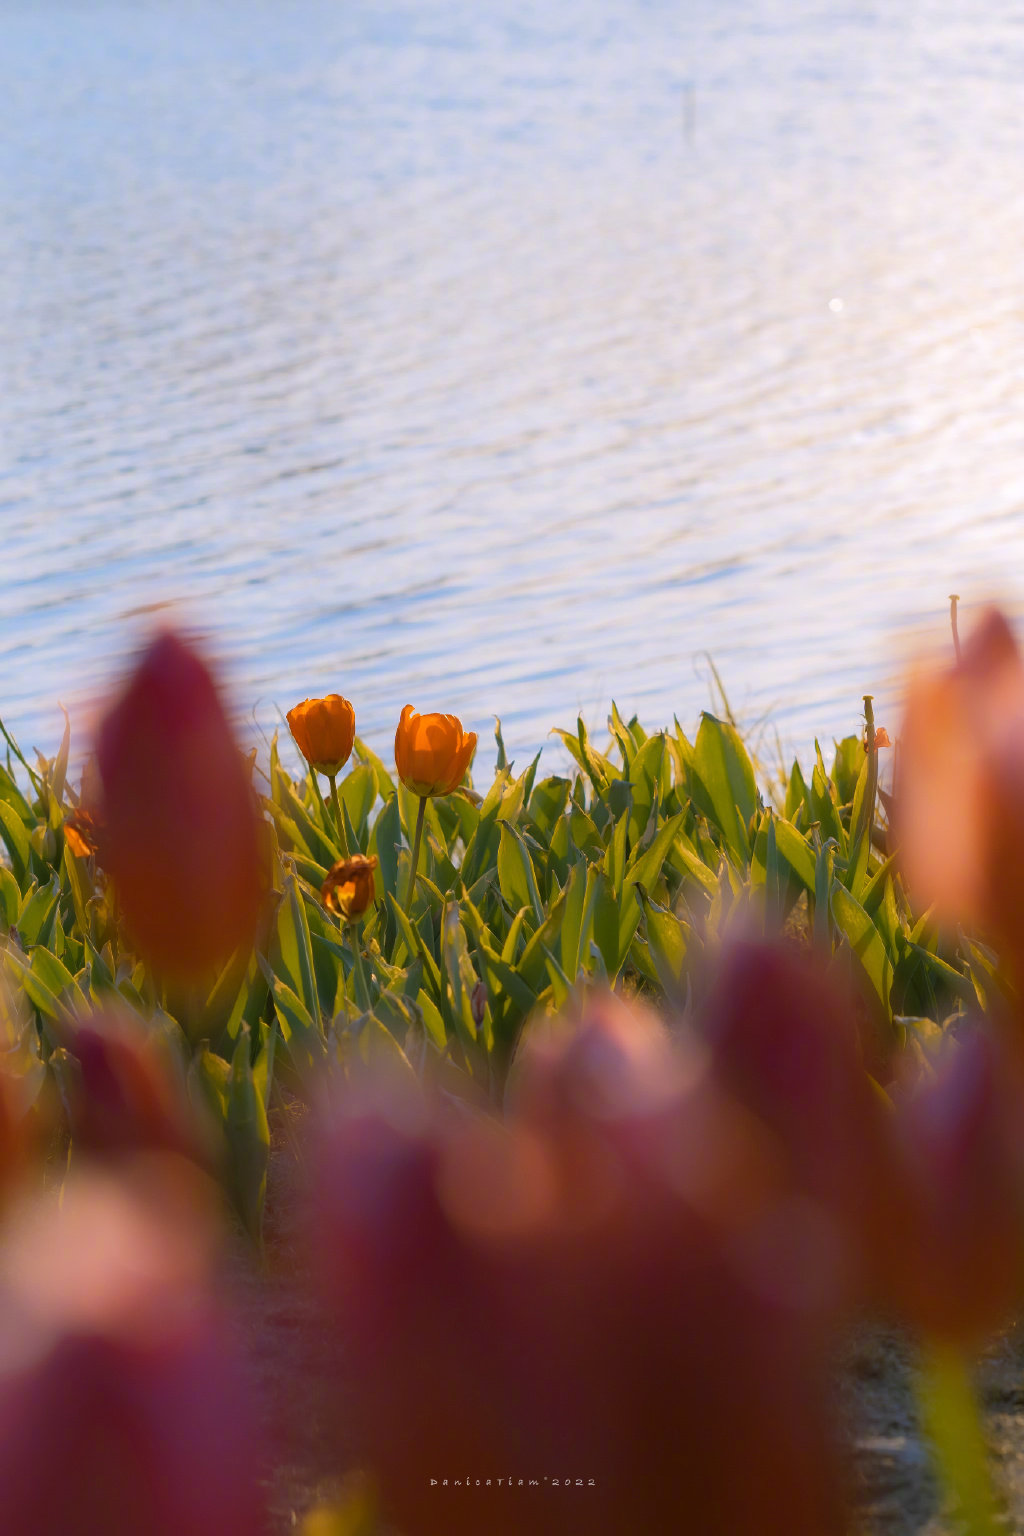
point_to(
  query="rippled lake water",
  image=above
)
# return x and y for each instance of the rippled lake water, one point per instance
(505, 358)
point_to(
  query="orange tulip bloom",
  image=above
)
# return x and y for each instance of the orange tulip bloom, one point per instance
(348, 889)
(83, 827)
(82, 832)
(432, 752)
(324, 730)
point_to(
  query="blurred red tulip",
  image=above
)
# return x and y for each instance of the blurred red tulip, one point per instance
(579, 1293)
(679, 1266)
(123, 1407)
(784, 1044)
(122, 1093)
(958, 811)
(955, 1257)
(22, 1135)
(179, 818)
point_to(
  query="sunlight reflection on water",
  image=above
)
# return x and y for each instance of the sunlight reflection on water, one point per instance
(425, 355)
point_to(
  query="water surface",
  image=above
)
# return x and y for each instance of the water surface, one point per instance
(506, 358)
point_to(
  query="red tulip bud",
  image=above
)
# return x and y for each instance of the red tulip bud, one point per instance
(565, 1290)
(122, 1404)
(123, 1095)
(784, 1044)
(179, 819)
(22, 1138)
(956, 1249)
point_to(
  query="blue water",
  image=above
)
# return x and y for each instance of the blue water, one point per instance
(506, 358)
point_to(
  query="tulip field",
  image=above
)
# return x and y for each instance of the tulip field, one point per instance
(597, 1111)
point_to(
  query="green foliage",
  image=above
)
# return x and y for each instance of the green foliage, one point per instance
(625, 873)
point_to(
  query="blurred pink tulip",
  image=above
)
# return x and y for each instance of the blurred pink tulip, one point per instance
(123, 1407)
(179, 823)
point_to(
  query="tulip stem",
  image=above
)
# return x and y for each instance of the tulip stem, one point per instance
(866, 815)
(355, 934)
(948, 1404)
(323, 802)
(954, 598)
(339, 818)
(417, 839)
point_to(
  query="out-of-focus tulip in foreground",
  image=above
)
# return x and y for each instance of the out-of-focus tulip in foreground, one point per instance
(180, 824)
(123, 1407)
(121, 1093)
(638, 1279)
(959, 803)
(784, 1043)
(583, 1297)
(954, 1263)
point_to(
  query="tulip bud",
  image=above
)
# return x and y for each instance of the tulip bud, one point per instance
(955, 1255)
(349, 887)
(180, 839)
(123, 1406)
(120, 1096)
(20, 1134)
(958, 812)
(784, 1044)
(546, 1292)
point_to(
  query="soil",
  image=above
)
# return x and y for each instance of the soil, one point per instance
(895, 1491)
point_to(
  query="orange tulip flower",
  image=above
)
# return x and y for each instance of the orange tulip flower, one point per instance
(348, 889)
(432, 752)
(324, 730)
(82, 832)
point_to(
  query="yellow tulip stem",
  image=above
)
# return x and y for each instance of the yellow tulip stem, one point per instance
(339, 818)
(418, 838)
